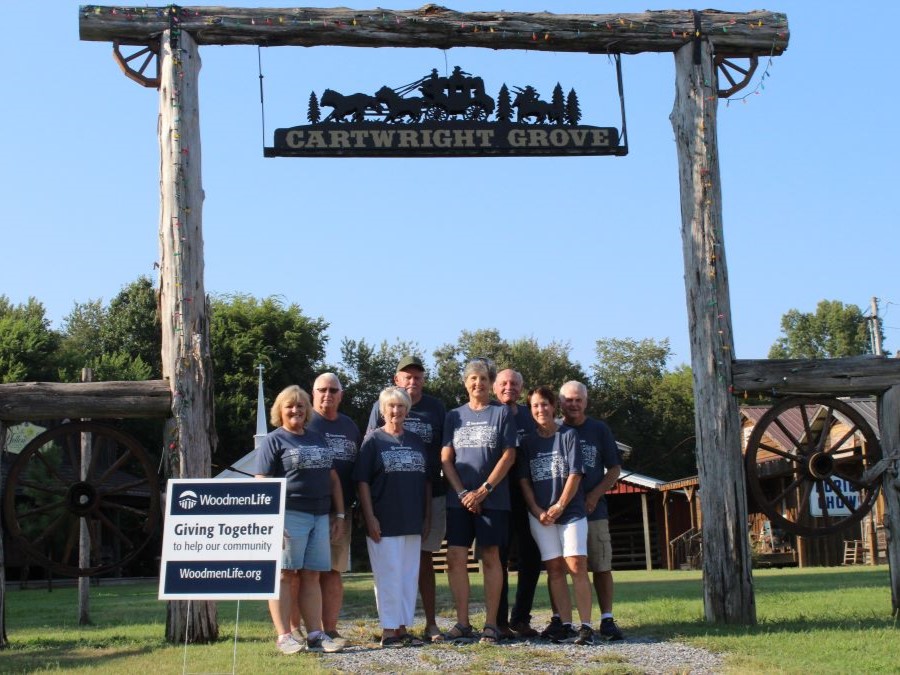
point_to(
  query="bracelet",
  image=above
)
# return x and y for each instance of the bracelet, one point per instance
(340, 515)
(461, 494)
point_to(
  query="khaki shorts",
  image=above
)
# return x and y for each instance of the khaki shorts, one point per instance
(438, 525)
(340, 549)
(599, 546)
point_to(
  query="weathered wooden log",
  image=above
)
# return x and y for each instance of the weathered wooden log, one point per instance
(836, 377)
(30, 401)
(727, 577)
(183, 306)
(734, 34)
(889, 422)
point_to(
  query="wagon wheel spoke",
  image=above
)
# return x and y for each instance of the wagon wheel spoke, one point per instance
(791, 457)
(144, 56)
(124, 487)
(46, 508)
(853, 480)
(825, 433)
(124, 508)
(790, 488)
(49, 466)
(837, 445)
(72, 539)
(40, 487)
(100, 480)
(114, 529)
(51, 528)
(787, 432)
(846, 501)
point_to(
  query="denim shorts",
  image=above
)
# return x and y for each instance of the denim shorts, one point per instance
(307, 542)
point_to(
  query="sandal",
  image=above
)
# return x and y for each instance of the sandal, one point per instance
(458, 635)
(410, 640)
(393, 641)
(490, 635)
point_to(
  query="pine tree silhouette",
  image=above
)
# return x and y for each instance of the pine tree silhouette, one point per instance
(504, 105)
(573, 110)
(314, 114)
(558, 105)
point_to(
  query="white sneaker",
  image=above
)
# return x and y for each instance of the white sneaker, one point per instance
(288, 645)
(323, 643)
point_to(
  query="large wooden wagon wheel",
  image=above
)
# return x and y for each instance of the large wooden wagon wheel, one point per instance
(48, 495)
(808, 461)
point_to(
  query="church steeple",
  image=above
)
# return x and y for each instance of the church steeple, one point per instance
(261, 428)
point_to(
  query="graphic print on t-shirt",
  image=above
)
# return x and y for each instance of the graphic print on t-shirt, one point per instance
(547, 466)
(420, 428)
(312, 457)
(402, 459)
(342, 447)
(588, 455)
(475, 435)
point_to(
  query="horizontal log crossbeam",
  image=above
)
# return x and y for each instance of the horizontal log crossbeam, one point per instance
(838, 377)
(31, 401)
(734, 34)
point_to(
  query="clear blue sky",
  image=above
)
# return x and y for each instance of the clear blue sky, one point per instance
(554, 248)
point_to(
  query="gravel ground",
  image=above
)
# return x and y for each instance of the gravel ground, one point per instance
(635, 654)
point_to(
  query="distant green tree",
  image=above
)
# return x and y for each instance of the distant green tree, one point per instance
(832, 331)
(625, 372)
(672, 432)
(365, 370)
(245, 332)
(28, 346)
(132, 324)
(549, 364)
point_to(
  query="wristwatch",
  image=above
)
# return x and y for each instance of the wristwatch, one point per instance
(487, 486)
(341, 516)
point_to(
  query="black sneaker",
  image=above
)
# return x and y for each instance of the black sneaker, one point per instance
(554, 629)
(609, 630)
(567, 636)
(585, 635)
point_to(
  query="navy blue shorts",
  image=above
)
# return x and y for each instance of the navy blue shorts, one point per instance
(489, 528)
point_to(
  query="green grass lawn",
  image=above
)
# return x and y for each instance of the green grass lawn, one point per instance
(812, 620)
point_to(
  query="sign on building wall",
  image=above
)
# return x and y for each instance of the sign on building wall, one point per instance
(222, 539)
(835, 504)
(453, 116)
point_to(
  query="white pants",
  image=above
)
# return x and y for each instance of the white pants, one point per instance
(395, 566)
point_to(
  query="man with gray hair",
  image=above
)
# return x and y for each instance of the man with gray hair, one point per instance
(343, 439)
(602, 467)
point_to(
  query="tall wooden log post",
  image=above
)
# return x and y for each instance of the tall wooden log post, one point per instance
(186, 362)
(4, 641)
(889, 423)
(728, 582)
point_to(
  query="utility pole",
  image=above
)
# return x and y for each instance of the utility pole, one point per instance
(876, 329)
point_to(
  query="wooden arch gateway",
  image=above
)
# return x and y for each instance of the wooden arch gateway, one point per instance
(704, 44)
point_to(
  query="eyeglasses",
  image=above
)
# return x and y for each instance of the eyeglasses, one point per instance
(329, 390)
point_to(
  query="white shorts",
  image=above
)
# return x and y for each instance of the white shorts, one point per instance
(559, 541)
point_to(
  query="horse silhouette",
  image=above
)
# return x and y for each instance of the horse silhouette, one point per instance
(351, 104)
(529, 104)
(398, 106)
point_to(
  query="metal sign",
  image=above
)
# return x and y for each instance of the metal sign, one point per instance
(451, 116)
(222, 539)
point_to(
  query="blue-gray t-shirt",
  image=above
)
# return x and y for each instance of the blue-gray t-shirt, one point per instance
(396, 470)
(426, 420)
(479, 438)
(305, 461)
(599, 452)
(343, 438)
(547, 463)
(524, 422)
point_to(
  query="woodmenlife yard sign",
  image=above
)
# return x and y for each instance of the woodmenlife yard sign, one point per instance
(448, 116)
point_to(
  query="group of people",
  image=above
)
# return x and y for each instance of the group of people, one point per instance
(509, 477)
